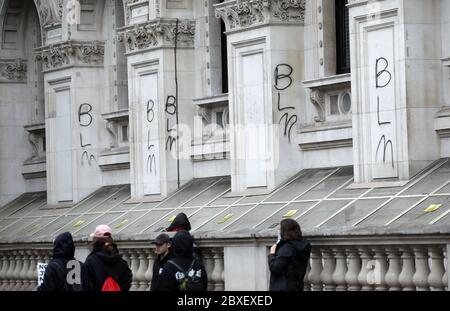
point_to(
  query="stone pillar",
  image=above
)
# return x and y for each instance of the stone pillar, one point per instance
(329, 265)
(366, 257)
(437, 269)
(408, 268)
(151, 257)
(73, 87)
(354, 268)
(217, 274)
(393, 273)
(420, 278)
(316, 270)
(265, 90)
(341, 269)
(161, 112)
(395, 88)
(140, 275)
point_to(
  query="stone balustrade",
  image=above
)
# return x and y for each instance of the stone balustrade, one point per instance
(363, 264)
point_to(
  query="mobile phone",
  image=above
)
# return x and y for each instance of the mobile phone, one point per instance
(279, 238)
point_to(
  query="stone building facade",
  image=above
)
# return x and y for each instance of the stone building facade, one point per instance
(157, 94)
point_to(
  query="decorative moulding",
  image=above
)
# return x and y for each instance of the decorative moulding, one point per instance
(243, 14)
(71, 53)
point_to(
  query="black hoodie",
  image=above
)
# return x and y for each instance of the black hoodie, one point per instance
(288, 265)
(56, 271)
(100, 265)
(182, 255)
(181, 222)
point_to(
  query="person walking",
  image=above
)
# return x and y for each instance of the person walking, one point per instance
(180, 223)
(183, 272)
(56, 274)
(289, 258)
(162, 250)
(105, 269)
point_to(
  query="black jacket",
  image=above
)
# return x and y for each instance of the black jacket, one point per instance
(100, 265)
(55, 277)
(157, 271)
(288, 265)
(182, 249)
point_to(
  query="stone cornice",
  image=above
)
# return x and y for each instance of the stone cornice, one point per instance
(158, 33)
(71, 53)
(242, 14)
(13, 71)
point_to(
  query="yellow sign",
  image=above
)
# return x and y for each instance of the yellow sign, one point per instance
(433, 207)
(122, 223)
(225, 219)
(291, 213)
(171, 218)
(79, 223)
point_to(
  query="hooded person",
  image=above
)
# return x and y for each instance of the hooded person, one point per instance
(288, 259)
(183, 272)
(180, 223)
(55, 276)
(104, 268)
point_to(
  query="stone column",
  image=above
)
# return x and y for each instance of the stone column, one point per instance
(341, 269)
(140, 275)
(329, 265)
(366, 257)
(408, 269)
(380, 269)
(151, 257)
(394, 270)
(217, 274)
(316, 270)
(354, 268)
(437, 269)
(420, 278)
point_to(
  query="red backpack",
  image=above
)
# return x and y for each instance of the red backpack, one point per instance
(110, 285)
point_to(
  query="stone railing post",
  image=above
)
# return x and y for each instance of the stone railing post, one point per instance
(16, 282)
(354, 268)
(420, 278)
(4, 270)
(408, 269)
(340, 270)
(316, 270)
(306, 283)
(445, 278)
(32, 272)
(217, 274)
(329, 264)
(134, 268)
(437, 270)
(140, 275)
(149, 273)
(24, 271)
(208, 261)
(393, 273)
(366, 257)
(380, 268)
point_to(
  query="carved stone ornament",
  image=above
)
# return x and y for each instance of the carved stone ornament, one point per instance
(71, 53)
(158, 33)
(318, 100)
(13, 71)
(240, 14)
(50, 11)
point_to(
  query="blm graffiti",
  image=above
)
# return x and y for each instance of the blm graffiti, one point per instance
(385, 146)
(85, 121)
(151, 158)
(283, 81)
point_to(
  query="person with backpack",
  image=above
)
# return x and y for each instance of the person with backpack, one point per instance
(104, 268)
(180, 223)
(162, 250)
(56, 274)
(289, 258)
(183, 272)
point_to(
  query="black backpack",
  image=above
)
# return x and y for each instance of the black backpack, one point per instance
(190, 280)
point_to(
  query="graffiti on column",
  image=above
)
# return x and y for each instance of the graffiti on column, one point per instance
(171, 109)
(384, 144)
(151, 158)
(283, 81)
(85, 120)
